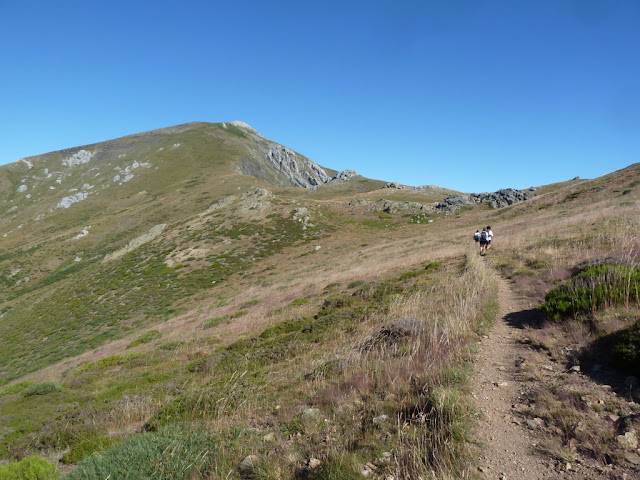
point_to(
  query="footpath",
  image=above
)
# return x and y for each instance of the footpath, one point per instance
(505, 445)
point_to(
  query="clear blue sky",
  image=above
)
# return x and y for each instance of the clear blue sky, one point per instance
(469, 94)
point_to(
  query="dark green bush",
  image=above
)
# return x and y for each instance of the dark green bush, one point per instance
(43, 388)
(29, 468)
(595, 287)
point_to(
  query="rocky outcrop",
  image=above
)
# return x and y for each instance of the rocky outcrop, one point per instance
(453, 202)
(501, 198)
(301, 172)
(498, 199)
(77, 158)
(279, 165)
(392, 185)
(344, 175)
(389, 206)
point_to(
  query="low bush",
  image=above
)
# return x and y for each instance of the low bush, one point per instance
(147, 337)
(29, 468)
(86, 448)
(593, 288)
(43, 388)
(298, 302)
(106, 362)
(170, 453)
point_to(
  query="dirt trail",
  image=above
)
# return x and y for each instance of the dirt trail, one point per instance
(505, 449)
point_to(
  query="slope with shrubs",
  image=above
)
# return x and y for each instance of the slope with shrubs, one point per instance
(265, 334)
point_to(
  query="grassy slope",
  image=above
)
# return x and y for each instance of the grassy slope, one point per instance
(281, 329)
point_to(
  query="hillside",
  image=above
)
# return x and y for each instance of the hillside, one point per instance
(203, 289)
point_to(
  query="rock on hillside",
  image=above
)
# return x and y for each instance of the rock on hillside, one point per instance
(501, 198)
(277, 164)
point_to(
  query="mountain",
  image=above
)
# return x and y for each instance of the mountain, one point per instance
(203, 290)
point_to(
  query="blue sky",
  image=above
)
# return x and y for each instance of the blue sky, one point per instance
(470, 94)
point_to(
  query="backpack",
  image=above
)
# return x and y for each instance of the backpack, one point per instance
(483, 235)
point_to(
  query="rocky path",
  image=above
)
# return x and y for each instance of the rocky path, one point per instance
(505, 449)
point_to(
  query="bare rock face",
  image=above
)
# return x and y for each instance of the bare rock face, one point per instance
(279, 165)
(301, 172)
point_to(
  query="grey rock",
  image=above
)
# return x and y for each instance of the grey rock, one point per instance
(628, 441)
(453, 202)
(535, 423)
(344, 175)
(77, 158)
(310, 413)
(380, 419)
(247, 467)
(392, 185)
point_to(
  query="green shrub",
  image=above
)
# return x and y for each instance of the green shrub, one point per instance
(108, 362)
(147, 337)
(170, 453)
(298, 302)
(86, 448)
(214, 322)
(355, 283)
(171, 345)
(29, 468)
(595, 287)
(43, 388)
(626, 352)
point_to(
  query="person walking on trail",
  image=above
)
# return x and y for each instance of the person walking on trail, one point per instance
(476, 236)
(483, 241)
(489, 237)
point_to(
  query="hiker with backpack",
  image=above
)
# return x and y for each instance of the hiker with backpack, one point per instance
(489, 237)
(483, 241)
(476, 236)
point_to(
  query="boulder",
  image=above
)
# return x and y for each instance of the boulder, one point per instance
(248, 466)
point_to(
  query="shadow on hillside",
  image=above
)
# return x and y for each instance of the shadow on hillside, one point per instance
(523, 319)
(596, 362)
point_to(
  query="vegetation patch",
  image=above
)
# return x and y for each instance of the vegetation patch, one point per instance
(29, 468)
(170, 453)
(593, 288)
(148, 337)
(107, 362)
(43, 388)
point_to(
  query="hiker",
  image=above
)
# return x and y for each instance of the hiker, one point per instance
(483, 241)
(476, 236)
(489, 237)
